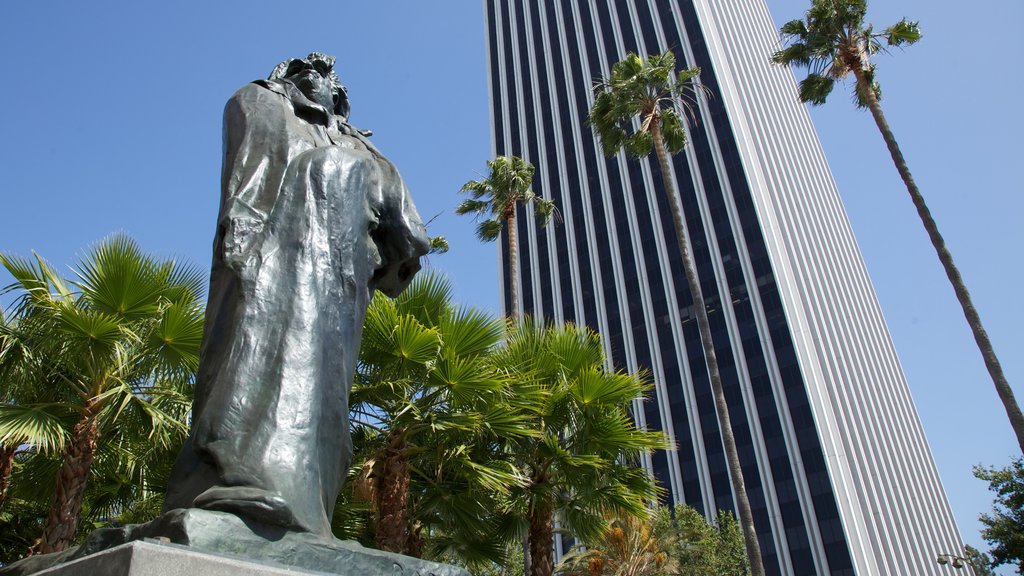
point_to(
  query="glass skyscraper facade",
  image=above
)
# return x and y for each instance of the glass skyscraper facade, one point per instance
(837, 468)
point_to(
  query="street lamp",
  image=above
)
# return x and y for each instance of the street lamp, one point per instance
(956, 561)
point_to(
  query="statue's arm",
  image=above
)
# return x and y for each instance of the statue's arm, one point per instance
(255, 155)
(400, 237)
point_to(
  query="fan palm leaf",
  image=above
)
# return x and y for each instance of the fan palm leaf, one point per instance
(432, 412)
(108, 354)
(586, 458)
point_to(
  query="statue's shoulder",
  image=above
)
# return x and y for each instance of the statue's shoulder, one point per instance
(259, 96)
(260, 89)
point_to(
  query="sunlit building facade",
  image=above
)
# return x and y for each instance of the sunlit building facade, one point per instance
(837, 467)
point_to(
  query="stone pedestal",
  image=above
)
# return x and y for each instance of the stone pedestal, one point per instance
(146, 558)
(221, 541)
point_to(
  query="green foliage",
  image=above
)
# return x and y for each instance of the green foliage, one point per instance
(428, 395)
(438, 245)
(353, 517)
(1004, 527)
(667, 542)
(638, 107)
(699, 547)
(511, 564)
(494, 198)
(628, 546)
(126, 486)
(903, 33)
(815, 88)
(979, 561)
(586, 460)
(650, 92)
(21, 522)
(833, 41)
(119, 345)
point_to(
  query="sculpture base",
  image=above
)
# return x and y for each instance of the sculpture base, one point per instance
(217, 538)
(146, 558)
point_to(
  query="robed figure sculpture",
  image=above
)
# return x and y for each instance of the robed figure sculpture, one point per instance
(312, 220)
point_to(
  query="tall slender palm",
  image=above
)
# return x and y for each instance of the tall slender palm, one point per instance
(585, 462)
(116, 347)
(833, 42)
(495, 198)
(434, 412)
(645, 91)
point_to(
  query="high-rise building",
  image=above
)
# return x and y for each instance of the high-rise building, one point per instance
(837, 467)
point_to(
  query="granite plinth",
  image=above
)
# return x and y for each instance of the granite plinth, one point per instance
(223, 534)
(145, 558)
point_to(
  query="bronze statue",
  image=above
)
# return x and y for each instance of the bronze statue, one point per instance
(312, 220)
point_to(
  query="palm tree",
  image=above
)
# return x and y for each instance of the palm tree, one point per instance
(628, 546)
(586, 460)
(834, 42)
(15, 388)
(126, 485)
(436, 417)
(646, 91)
(495, 198)
(113, 351)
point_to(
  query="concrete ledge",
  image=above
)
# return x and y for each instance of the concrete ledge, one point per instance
(224, 541)
(158, 559)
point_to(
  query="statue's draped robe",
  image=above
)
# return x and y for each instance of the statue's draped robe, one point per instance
(312, 220)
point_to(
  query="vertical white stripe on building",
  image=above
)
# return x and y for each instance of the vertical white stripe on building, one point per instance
(874, 415)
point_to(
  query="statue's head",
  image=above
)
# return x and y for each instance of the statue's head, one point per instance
(314, 75)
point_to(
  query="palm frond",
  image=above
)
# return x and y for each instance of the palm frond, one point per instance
(470, 206)
(816, 88)
(42, 426)
(833, 41)
(427, 299)
(640, 144)
(642, 91)
(903, 33)
(118, 279)
(673, 131)
(95, 330)
(507, 185)
(178, 335)
(489, 230)
(183, 283)
(33, 280)
(470, 332)
(438, 245)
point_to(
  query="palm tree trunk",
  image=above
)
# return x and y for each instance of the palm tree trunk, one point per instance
(393, 496)
(527, 567)
(6, 467)
(995, 370)
(513, 260)
(542, 518)
(414, 546)
(62, 521)
(704, 325)
(513, 314)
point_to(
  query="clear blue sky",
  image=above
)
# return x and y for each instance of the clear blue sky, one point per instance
(111, 120)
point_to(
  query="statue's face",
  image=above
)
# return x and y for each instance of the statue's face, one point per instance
(312, 79)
